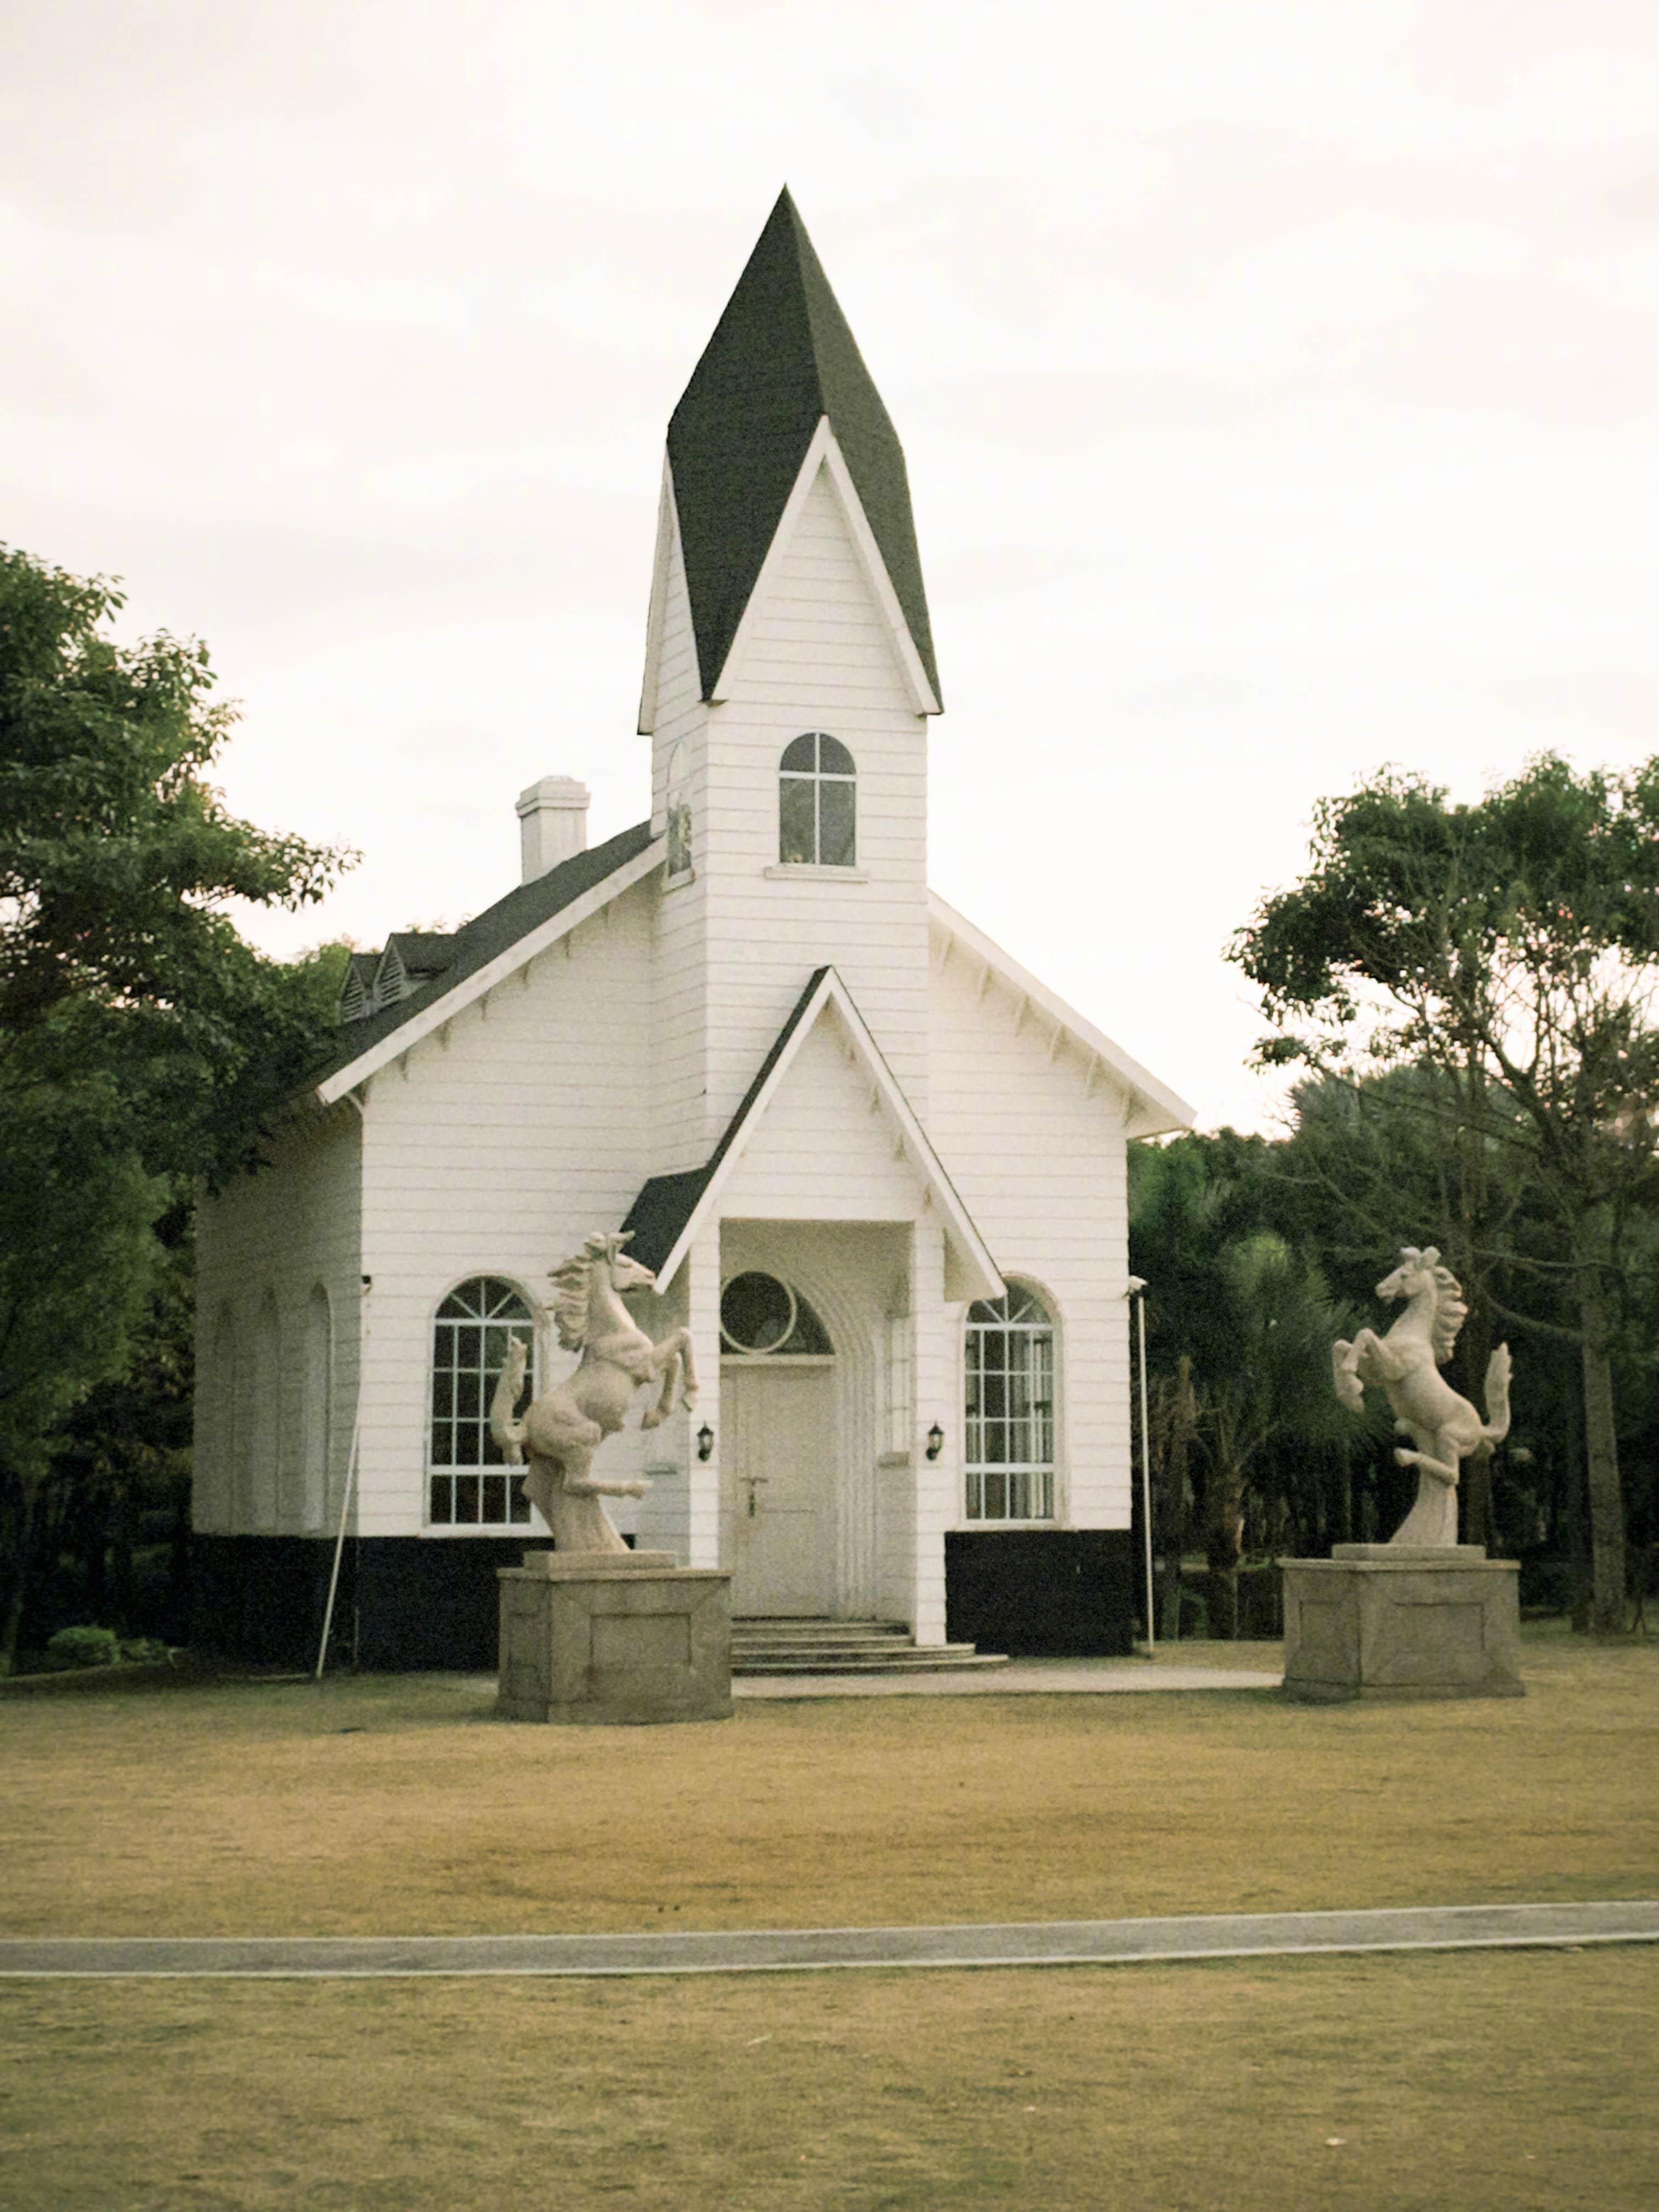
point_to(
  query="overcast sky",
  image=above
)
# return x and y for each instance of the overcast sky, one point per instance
(1279, 381)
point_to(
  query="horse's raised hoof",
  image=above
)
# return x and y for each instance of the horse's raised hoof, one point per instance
(652, 1419)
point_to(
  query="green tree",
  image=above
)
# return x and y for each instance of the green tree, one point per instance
(118, 860)
(1372, 1166)
(143, 1042)
(1240, 1327)
(1510, 947)
(77, 1259)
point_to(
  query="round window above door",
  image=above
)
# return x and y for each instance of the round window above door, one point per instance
(761, 1317)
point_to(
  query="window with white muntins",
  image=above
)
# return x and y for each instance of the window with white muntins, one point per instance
(469, 1481)
(818, 804)
(1011, 1408)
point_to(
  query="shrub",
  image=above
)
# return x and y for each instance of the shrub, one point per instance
(83, 1647)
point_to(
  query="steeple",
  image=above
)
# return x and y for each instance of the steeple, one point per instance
(780, 360)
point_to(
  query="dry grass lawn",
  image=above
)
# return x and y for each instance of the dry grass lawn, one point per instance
(1517, 2082)
(397, 1805)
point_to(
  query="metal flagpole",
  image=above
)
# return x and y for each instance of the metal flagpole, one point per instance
(1138, 1292)
(351, 1480)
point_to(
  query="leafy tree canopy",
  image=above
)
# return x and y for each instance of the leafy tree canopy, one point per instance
(117, 862)
(143, 1042)
(1509, 950)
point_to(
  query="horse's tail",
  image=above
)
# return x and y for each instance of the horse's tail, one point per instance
(1497, 1399)
(509, 1433)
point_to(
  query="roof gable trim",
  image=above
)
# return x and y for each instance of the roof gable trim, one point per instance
(662, 566)
(824, 452)
(826, 990)
(1154, 1110)
(471, 988)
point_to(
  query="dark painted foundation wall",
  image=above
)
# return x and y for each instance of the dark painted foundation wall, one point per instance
(413, 1602)
(1041, 1593)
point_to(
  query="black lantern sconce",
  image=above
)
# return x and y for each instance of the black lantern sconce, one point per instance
(935, 1441)
(705, 1442)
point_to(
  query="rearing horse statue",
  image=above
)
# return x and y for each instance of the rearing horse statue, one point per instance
(562, 1429)
(1444, 1427)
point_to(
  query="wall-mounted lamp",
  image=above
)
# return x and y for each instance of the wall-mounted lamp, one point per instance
(705, 1442)
(935, 1441)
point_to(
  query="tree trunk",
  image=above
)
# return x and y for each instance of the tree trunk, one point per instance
(1607, 1504)
(1475, 1484)
(1576, 1509)
(1223, 1525)
(1177, 1406)
(21, 1517)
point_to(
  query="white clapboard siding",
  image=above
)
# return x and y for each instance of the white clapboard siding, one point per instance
(496, 1151)
(264, 1245)
(738, 944)
(1040, 1165)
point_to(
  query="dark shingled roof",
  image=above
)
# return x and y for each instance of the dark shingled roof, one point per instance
(494, 931)
(782, 358)
(657, 1216)
(424, 952)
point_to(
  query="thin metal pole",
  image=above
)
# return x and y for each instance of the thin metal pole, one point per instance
(1147, 1474)
(350, 1481)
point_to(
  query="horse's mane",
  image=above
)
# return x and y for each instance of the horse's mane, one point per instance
(1449, 1314)
(1450, 1311)
(572, 1281)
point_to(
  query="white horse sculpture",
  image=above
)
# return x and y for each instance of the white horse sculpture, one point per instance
(1444, 1427)
(562, 1429)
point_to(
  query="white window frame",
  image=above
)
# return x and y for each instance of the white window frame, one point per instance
(1037, 1477)
(818, 776)
(488, 1469)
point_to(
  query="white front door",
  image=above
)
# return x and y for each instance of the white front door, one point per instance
(780, 1422)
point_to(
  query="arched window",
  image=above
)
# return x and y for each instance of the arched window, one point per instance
(762, 1317)
(469, 1481)
(678, 805)
(817, 803)
(1011, 1408)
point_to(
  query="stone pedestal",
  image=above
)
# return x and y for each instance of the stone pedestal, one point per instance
(1393, 1622)
(608, 1638)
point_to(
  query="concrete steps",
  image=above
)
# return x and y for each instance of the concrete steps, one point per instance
(844, 1647)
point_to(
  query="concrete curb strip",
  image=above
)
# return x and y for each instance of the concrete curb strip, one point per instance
(1058, 1943)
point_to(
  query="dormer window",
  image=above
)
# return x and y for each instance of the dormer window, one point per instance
(679, 811)
(818, 804)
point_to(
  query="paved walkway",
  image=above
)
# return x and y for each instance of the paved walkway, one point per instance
(1020, 1678)
(1059, 1943)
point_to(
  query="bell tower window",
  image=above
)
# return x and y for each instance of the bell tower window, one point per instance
(678, 806)
(818, 804)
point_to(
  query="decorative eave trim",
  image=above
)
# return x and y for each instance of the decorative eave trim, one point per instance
(824, 451)
(484, 979)
(984, 1277)
(1155, 1110)
(662, 566)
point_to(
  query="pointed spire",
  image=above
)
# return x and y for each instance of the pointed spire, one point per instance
(782, 358)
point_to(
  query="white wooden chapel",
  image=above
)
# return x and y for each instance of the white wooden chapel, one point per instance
(878, 1168)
